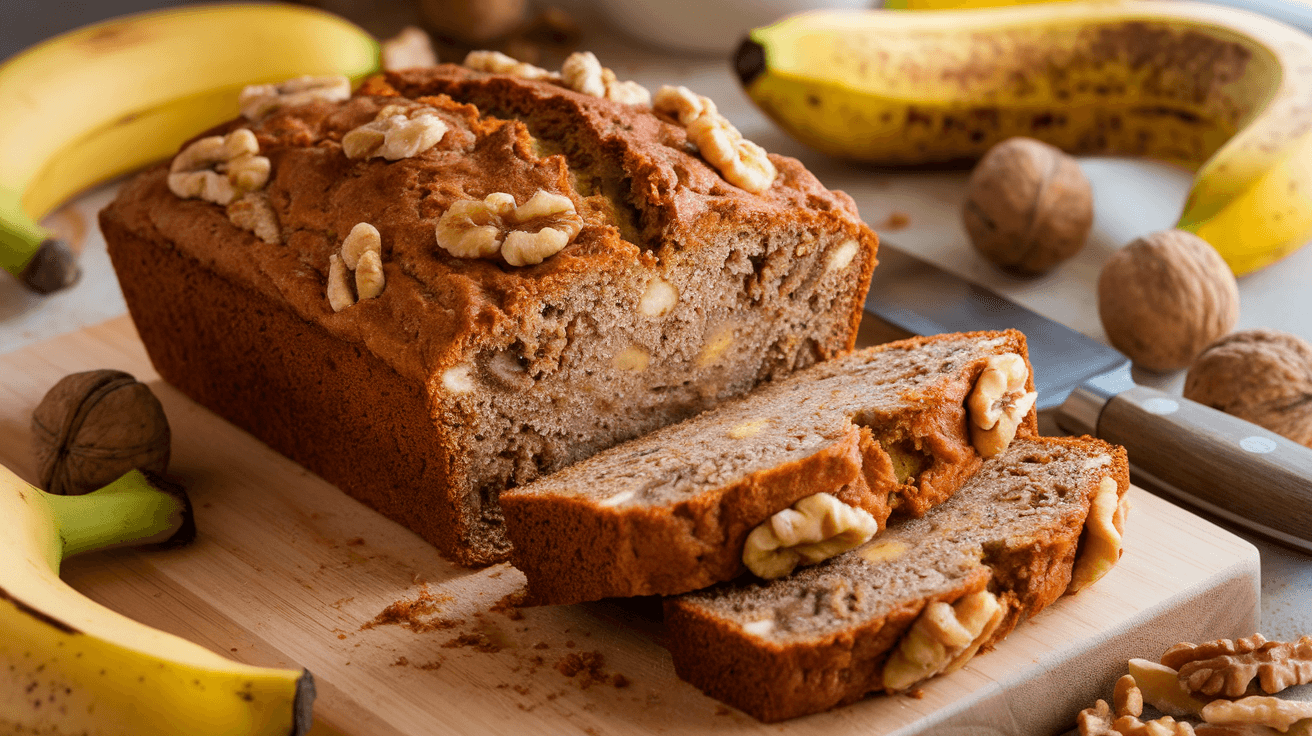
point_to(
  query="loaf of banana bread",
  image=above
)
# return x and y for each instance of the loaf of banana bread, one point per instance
(455, 281)
(921, 598)
(890, 429)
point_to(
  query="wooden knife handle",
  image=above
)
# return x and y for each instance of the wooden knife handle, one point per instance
(1216, 462)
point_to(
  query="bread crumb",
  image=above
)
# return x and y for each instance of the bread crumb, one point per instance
(355, 541)
(619, 680)
(341, 636)
(430, 665)
(895, 221)
(415, 615)
(341, 602)
(480, 642)
(509, 605)
(400, 662)
(916, 693)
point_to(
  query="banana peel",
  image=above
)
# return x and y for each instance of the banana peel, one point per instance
(1222, 92)
(70, 665)
(98, 102)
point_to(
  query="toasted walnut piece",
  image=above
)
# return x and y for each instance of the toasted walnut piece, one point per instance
(682, 104)
(583, 73)
(841, 257)
(458, 380)
(362, 239)
(496, 62)
(259, 100)
(813, 530)
(632, 358)
(1161, 688)
(523, 235)
(369, 279)
(999, 403)
(938, 635)
(1300, 728)
(1098, 721)
(340, 295)
(543, 226)
(219, 169)
(472, 228)
(397, 132)
(1100, 548)
(408, 49)
(254, 213)
(1186, 652)
(1127, 697)
(658, 298)
(741, 162)
(1259, 709)
(1276, 665)
(750, 428)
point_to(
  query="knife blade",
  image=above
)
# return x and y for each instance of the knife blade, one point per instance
(1196, 455)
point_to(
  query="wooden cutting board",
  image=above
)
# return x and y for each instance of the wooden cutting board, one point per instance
(289, 571)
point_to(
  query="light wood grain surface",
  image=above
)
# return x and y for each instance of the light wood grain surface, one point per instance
(287, 570)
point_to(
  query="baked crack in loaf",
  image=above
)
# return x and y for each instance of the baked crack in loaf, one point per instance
(885, 430)
(920, 598)
(301, 291)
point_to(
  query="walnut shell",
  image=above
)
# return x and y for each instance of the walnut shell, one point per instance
(1164, 297)
(1028, 206)
(95, 426)
(1264, 376)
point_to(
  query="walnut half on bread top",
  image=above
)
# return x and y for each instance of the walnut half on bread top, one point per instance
(621, 283)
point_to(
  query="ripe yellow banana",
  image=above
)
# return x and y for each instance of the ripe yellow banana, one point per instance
(110, 98)
(1221, 91)
(70, 665)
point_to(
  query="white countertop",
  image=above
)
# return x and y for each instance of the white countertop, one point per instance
(1131, 199)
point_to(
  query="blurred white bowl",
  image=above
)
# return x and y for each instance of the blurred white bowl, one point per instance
(705, 26)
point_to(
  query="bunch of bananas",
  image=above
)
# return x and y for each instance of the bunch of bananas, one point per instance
(110, 98)
(1221, 91)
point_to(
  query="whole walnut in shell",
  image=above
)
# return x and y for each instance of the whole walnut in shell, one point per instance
(1164, 297)
(95, 426)
(1264, 376)
(1028, 206)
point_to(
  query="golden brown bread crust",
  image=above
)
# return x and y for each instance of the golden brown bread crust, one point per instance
(775, 680)
(574, 548)
(649, 209)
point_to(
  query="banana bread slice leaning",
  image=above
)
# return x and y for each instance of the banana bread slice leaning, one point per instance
(884, 429)
(919, 599)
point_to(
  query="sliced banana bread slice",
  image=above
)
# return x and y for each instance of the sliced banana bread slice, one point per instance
(883, 430)
(921, 598)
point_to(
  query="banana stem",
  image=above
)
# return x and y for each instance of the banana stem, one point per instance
(134, 510)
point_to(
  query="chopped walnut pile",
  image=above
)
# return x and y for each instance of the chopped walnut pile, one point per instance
(260, 100)
(362, 254)
(397, 132)
(582, 72)
(813, 530)
(942, 639)
(999, 403)
(521, 235)
(1223, 668)
(496, 62)
(219, 168)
